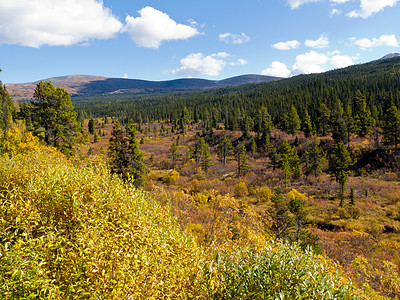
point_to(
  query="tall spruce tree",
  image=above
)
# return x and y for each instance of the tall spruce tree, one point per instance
(363, 121)
(242, 164)
(52, 111)
(391, 127)
(337, 123)
(314, 158)
(324, 115)
(224, 149)
(306, 125)
(206, 159)
(294, 122)
(6, 108)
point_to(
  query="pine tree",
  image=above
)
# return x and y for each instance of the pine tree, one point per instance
(206, 159)
(337, 123)
(6, 108)
(348, 121)
(391, 127)
(224, 149)
(242, 164)
(253, 147)
(91, 126)
(289, 161)
(340, 161)
(137, 169)
(118, 152)
(175, 155)
(363, 121)
(52, 110)
(323, 119)
(314, 158)
(306, 125)
(294, 123)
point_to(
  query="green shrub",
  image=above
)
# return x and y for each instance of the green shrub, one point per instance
(279, 271)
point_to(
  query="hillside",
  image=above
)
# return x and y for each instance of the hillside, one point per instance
(92, 85)
(70, 230)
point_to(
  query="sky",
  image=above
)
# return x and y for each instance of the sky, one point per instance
(169, 39)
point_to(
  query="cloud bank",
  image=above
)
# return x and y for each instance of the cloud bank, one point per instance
(35, 23)
(383, 40)
(153, 27)
(308, 63)
(200, 64)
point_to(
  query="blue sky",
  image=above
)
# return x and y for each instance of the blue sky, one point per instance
(162, 40)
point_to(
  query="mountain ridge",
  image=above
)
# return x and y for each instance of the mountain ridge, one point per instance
(91, 85)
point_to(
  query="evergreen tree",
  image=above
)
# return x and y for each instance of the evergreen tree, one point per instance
(118, 152)
(91, 126)
(6, 108)
(391, 127)
(289, 161)
(242, 164)
(253, 147)
(348, 121)
(339, 161)
(324, 115)
(137, 169)
(337, 123)
(52, 110)
(314, 158)
(206, 159)
(224, 149)
(363, 121)
(294, 123)
(306, 125)
(175, 155)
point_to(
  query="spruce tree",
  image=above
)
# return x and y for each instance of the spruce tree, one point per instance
(324, 115)
(242, 164)
(314, 158)
(52, 111)
(6, 108)
(224, 149)
(306, 125)
(363, 121)
(337, 123)
(391, 127)
(294, 122)
(206, 159)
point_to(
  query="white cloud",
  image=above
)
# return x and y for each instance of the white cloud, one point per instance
(235, 39)
(286, 45)
(335, 12)
(339, 1)
(154, 26)
(199, 64)
(321, 42)
(309, 63)
(35, 23)
(369, 7)
(341, 61)
(125, 76)
(297, 3)
(383, 40)
(238, 62)
(277, 69)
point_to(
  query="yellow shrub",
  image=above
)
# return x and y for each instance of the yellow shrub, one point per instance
(294, 194)
(264, 193)
(241, 190)
(15, 141)
(171, 177)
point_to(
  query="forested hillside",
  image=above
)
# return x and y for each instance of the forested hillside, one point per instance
(378, 81)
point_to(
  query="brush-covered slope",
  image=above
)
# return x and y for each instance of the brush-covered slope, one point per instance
(70, 230)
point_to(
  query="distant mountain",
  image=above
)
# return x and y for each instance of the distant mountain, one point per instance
(391, 55)
(92, 85)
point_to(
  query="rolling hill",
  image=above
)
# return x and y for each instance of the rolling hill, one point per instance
(90, 85)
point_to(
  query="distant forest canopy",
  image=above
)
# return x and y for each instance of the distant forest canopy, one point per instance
(377, 81)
